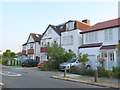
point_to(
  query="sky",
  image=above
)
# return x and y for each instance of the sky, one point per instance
(19, 19)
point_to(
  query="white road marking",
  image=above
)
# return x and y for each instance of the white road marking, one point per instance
(1, 83)
(10, 74)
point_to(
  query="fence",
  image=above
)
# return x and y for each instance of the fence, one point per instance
(14, 62)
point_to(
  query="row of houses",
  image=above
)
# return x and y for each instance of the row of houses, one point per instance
(99, 39)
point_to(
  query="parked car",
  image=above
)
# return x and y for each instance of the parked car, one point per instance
(40, 64)
(73, 63)
(29, 63)
(67, 65)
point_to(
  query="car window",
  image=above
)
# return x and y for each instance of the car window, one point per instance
(73, 60)
(25, 60)
(41, 61)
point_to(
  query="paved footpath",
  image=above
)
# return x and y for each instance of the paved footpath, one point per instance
(100, 79)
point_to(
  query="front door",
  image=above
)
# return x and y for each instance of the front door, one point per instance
(110, 60)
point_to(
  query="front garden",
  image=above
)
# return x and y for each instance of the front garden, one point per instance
(58, 55)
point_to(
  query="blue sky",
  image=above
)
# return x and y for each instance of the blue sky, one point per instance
(19, 19)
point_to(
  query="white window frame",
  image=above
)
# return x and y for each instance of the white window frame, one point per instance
(91, 37)
(68, 40)
(108, 35)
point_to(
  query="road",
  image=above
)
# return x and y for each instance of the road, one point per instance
(19, 77)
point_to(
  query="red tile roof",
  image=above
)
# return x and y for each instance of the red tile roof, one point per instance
(103, 25)
(108, 47)
(81, 26)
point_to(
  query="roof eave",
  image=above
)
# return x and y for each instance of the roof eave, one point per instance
(99, 29)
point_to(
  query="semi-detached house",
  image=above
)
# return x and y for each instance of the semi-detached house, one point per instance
(65, 34)
(101, 39)
(31, 49)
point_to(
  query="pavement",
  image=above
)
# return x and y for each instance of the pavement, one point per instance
(109, 82)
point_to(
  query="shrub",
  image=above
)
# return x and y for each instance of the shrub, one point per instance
(79, 71)
(116, 69)
(4, 61)
(116, 72)
(48, 66)
(104, 73)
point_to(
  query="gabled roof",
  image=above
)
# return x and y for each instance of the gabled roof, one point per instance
(36, 37)
(54, 28)
(24, 44)
(103, 25)
(62, 27)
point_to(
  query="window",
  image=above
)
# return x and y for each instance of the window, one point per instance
(30, 56)
(104, 54)
(70, 26)
(56, 40)
(91, 37)
(31, 46)
(48, 43)
(24, 47)
(111, 56)
(68, 40)
(108, 35)
(43, 43)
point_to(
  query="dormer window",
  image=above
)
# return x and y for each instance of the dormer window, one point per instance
(70, 26)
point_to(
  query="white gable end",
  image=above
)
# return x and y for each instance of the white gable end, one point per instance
(50, 33)
(30, 39)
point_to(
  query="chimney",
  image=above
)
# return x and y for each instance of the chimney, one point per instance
(86, 21)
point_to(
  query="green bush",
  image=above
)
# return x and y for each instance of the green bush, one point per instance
(116, 69)
(116, 72)
(48, 66)
(79, 71)
(104, 73)
(116, 75)
(4, 61)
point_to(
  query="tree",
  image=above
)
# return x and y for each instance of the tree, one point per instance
(55, 51)
(57, 55)
(12, 54)
(101, 61)
(118, 47)
(8, 54)
(83, 59)
(68, 55)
